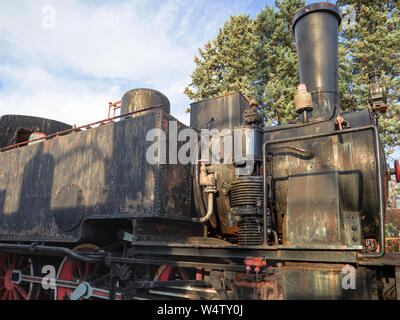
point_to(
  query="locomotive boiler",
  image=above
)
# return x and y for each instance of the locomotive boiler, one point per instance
(141, 206)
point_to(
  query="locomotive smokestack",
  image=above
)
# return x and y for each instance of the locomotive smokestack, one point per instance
(316, 28)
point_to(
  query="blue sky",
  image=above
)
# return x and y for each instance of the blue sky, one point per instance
(97, 50)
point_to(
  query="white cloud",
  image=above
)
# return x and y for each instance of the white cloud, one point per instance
(41, 94)
(69, 73)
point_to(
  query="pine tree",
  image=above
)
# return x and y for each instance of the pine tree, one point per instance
(254, 56)
(278, 41)
(228, 63)
(371, 42)
(258, 57)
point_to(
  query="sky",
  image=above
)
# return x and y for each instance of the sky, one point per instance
(66, 60)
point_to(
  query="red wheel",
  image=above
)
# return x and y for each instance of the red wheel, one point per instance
(78, 271)
(10, 290)
(166, 273)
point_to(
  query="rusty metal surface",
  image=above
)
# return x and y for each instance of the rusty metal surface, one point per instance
(250, 287)
(225, 112)
(108, 170)
(9, 124)
(138, 99)
(329, 198)
(271, 253)
(324, 282)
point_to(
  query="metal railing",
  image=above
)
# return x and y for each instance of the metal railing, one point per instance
(86, 126)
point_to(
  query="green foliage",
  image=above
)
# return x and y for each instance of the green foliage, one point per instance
(255, 56)
(258, 57)
(391, 230)
(372, 43)
(228, 63)
(277, 40)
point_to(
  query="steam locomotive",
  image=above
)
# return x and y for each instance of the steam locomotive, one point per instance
(297, 213)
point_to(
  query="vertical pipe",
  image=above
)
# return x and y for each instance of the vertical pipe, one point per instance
(316, 29)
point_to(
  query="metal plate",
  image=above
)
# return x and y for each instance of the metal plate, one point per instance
(69, 207)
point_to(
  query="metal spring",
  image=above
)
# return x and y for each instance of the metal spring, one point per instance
(246, 191)
(250, 231)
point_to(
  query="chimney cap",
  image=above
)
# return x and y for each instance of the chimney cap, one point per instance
(317, 7)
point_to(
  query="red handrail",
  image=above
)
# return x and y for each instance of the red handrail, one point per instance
(108, 120)
(116, 105)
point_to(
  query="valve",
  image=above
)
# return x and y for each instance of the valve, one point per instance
(207, 180)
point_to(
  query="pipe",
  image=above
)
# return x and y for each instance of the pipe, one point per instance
(316, 29)
(381, 212)
(57, 251)
(198, 196)
(210, 208)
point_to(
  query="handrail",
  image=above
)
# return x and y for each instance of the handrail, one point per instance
(79, 128)
(116, 105)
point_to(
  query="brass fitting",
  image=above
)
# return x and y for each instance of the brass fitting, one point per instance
(303, 100)
(207, 180)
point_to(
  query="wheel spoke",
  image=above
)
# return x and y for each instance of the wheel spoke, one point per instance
(15, 295)
(22, 292)
(2, 268)
(5, 297)
(96, 268)
(78, 268)
(87, 269)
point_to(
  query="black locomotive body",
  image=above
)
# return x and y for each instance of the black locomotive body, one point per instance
(297, 213)
(66, 183)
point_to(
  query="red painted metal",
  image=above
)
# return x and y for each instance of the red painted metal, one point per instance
(115, 105)
(397, 170)
(10, 290)
(77, 271)
(255, 262)
(166, 273)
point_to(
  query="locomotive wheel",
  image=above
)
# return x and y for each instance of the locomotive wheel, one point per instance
(166, 273)
(76, 270)
(10, 290)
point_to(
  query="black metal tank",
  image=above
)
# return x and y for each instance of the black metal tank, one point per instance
(137, 99)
